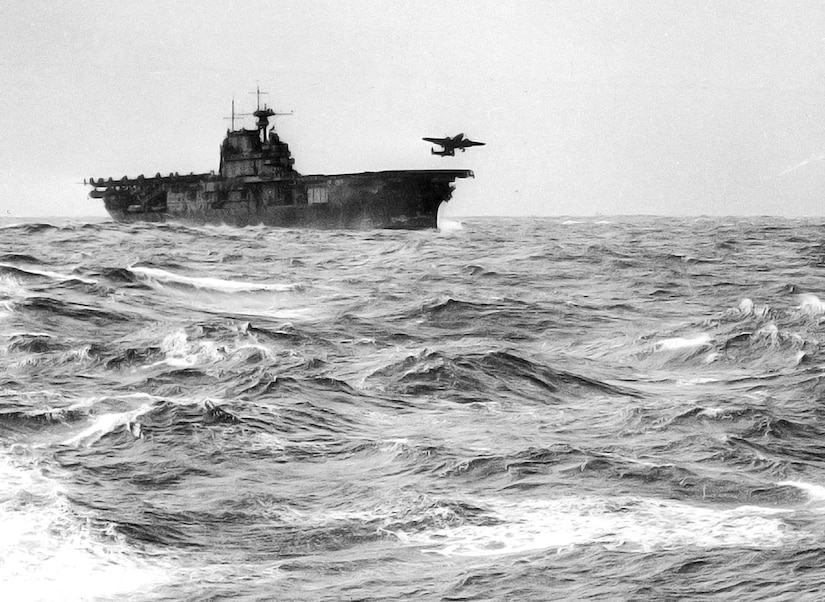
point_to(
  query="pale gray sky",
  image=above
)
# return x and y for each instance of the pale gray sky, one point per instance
(614, 107)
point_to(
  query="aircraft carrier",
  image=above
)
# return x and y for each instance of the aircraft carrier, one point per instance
(257, 184)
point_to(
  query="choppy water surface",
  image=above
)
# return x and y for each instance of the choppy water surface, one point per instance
(518, 409)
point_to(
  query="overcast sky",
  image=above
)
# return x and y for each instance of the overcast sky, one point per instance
(710, 107)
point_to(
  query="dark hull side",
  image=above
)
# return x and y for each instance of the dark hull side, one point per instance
(395, 200)
(245, 213)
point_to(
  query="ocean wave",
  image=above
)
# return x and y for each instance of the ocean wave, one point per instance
(53, 308)
(680, 344)
(811, 305)
(120, 277)
(11, 289)
(19, 258)
(816, 493)
(202, 344)
(481, 377)
(155, 416)
(449, 225)
(29, 228)
(35, 342)
(179, 352)
(647, 390)
(109, 423)
(36, 409)
(29, 272)
(51, 551)
(621, 523)
(164, 277)
(452, 307)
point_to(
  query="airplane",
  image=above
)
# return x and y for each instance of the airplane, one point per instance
(450, 144)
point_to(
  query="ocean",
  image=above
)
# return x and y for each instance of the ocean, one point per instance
(503, 409)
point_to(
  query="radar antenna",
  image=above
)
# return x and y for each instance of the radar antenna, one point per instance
(263, 114)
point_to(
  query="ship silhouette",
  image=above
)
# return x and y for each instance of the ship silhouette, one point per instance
(257, 184)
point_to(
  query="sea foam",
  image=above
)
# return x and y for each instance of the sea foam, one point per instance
(680, 343)
(627, 523)
(811, 304)
(108, 423)
(50, 551)
(157, 275)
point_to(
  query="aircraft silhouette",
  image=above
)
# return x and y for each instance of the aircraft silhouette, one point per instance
(450, 144)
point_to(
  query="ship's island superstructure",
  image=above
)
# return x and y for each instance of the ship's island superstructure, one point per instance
(257, 184)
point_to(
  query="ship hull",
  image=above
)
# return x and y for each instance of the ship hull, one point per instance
(370, 200)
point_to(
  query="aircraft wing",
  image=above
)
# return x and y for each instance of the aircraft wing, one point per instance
(437, 140)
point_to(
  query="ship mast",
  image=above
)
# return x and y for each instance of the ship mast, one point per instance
(258, 93)
(263, 115)
(233, 115)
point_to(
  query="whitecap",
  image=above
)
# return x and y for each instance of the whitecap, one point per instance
(811, 304)
(11, 288)
(628, 523)
(448, 225)
(712, 357)
(82, 403)
(679, 343)
(50, 551)
(696, 380)
(768, 331)
(180, 353)
(214, 284)
(109, 423)
(815, 492)
(48, 274)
